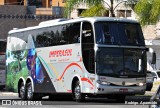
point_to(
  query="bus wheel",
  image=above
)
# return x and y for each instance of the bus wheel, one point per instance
(30, 94)
(29, 91)
(78, 96)
(22, 91)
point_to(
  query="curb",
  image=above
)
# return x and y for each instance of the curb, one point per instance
(155, 86)
(8, 94)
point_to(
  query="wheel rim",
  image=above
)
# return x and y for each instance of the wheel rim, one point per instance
(77, 92)
(22, 91)
(29, 92)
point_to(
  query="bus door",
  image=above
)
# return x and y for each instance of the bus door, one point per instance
(88, 53)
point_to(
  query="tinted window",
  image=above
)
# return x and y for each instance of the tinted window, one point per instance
(149, 74)
(154, 74)
(158, 73)
(88, 47)
(71, 32)
(87, 33)
(117, 62)
(59, 35)
(118, 33)
(2, 47)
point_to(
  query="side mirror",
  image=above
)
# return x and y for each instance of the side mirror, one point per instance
(153, 60)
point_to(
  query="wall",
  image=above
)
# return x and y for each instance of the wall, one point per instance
(56, 2)
(16, 16)
(2, 2)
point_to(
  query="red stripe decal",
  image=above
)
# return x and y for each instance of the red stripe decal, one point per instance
(72, 64)
(87, 80)
(69, 90)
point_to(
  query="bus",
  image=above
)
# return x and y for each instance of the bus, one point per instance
(2, 63)
(93, 56)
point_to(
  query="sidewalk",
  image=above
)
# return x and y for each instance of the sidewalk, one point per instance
(149, 93)
(155, 86)
(154, 89)
(5, 93)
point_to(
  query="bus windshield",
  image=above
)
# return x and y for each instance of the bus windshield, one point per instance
(120, 62)
(121, 33)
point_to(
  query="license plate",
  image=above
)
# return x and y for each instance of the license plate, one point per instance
(123, 90)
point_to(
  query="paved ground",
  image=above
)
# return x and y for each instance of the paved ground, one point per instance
(90, 103)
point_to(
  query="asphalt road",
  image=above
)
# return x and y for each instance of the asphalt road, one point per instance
(131, 102)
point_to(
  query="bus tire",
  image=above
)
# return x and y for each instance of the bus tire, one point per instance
(29, 91)
(78, 96)
(30, 94)
(22, 91)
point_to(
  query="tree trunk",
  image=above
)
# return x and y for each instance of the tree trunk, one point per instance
(19, 66)
(111, 9)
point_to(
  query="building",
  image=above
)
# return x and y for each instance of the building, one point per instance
(25, 13)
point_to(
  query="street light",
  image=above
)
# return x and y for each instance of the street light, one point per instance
(111, 8)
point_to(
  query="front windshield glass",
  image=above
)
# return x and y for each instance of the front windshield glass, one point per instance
(120, 33)
(158, 73)
(120, 62)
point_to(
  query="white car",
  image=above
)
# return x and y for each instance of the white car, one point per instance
(155, 99)
(156, 75)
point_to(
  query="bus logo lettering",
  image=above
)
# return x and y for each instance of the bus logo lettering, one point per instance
(59, 53)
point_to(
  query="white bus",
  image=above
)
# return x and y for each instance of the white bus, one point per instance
(95, 56)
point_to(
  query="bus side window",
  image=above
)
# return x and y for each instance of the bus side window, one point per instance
(87, 33)
(106, 35)
(88, 47)
(76, 35)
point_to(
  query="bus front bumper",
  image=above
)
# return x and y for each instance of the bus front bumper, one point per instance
(128, 90)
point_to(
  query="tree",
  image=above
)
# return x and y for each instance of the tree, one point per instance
(96, 10)
(148, 11)
(70, 4)
(18, 55)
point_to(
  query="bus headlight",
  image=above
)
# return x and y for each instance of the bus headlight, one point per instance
(140, 84)
(103, 82)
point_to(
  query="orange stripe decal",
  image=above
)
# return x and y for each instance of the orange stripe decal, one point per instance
(72, 64)
(87, 80)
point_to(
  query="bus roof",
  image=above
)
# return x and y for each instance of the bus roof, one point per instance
(65, 21)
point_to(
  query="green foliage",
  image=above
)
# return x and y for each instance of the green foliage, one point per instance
(148, 11)
(96, 10)
(13, 78)
(13, 72)
(71, 4)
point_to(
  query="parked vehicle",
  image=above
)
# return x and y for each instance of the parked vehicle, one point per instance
(149, 81)
(156, 75)
(155, 99)
(2, 64)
